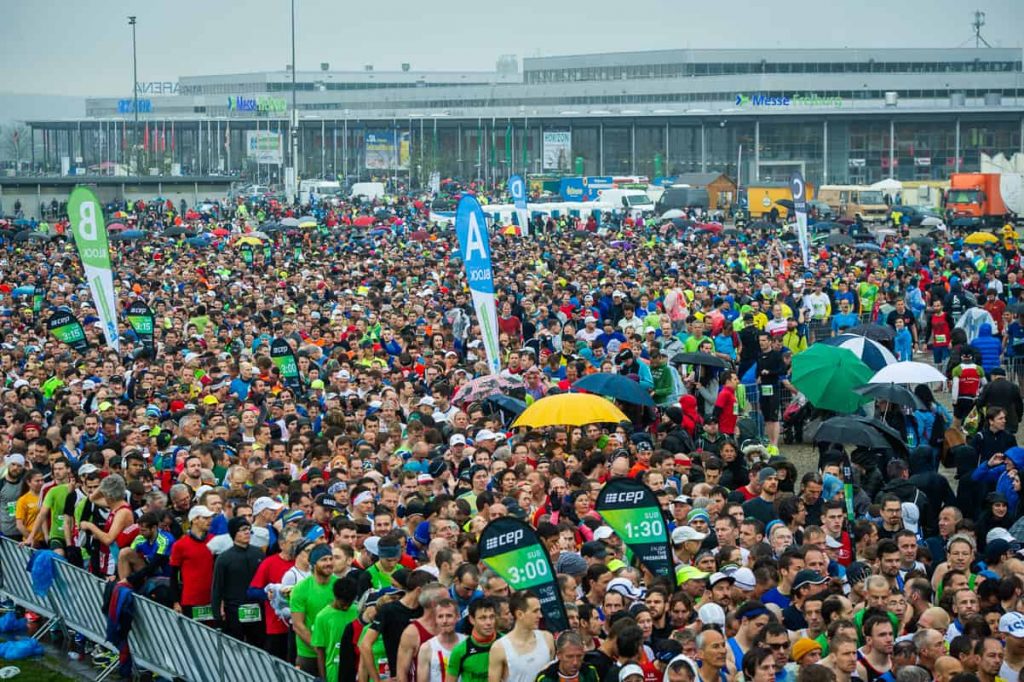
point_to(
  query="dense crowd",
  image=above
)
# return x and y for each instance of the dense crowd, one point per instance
(335, 522)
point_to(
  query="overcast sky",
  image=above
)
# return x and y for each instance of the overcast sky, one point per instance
(83, 47)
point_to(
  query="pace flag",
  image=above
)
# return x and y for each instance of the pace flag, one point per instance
(90, 234)
(517, 188)
(631, 509)
(471, 228)
(799, 189)
(66, 328)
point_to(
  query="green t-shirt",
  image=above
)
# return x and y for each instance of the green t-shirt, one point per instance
(310, 598)
(55, 500)
(858, 620)
(470, 661)
(693, 343)
(867, 293)
(328, 627)
(380, 655)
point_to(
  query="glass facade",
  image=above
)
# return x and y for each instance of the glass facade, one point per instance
(853, 149)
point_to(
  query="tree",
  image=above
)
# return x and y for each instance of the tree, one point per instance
(15, 143)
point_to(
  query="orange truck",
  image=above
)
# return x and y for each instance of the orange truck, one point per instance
(993, 198)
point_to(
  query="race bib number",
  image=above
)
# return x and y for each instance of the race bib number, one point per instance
(767, 390)
(383, 670)
(202, 613)
(940, 338)
(736, 408)
(249, 613)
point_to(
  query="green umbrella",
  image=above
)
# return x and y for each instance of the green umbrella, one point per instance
(827, 375)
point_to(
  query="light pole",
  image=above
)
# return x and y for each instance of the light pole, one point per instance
(135, 98)
(293, 176)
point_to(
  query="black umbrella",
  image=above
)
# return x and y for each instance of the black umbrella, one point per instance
(892, 436)
(513, 406)
(840, 240)
(730, 232)
(923, 242)
(827, 226)
(176, 232)
(849, 431)
(703, 359)
(681, 222)
(26, 235)
(761, 225)
(1016, 308)
(581, 234)
(891, 393)
(876, 332)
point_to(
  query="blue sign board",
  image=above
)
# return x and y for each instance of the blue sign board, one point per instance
(126, 106)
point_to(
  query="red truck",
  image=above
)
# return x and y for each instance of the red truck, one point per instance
(993, 198)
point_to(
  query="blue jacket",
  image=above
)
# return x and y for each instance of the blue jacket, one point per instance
(989, 347)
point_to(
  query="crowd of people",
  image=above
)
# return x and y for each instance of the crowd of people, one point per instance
(334, 522)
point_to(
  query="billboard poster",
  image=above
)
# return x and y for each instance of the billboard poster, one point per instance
(557, 152)
(387, 150)
(632, 511)
(512, 549)
(263, 146)
(66, 328)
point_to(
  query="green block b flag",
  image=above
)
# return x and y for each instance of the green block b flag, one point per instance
(630, 508)
(512, 549)
(66, 328)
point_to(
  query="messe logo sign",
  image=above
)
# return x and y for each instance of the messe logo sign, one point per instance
(797, 100)
(257, 104)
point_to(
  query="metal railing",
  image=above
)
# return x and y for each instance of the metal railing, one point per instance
(161, 640)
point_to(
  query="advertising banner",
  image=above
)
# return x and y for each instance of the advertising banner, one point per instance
(90, 235)
(263, 146)
(557, 151)
(799, 189)
(287, 364)
(517, 188)
(140, 319)
(387, 150)
(632, 511)
(475, 242)
(512, 549)
(66, 328)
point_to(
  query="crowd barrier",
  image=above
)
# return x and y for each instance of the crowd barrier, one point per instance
(161, 640)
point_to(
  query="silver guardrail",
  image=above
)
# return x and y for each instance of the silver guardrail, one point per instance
(161, 640)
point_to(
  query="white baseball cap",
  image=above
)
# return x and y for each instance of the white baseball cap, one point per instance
(1012, 624)
(711, 614)
(264, 503)
(685, 534)
(603, 532)
(199, 510)
(627, 589)
(744, 579)
(456, 439)
(14, 458)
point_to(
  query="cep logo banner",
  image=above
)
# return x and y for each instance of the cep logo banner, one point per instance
(633, 512)
(517, 188)
(471, 228)
(90, 234)
(512, 549)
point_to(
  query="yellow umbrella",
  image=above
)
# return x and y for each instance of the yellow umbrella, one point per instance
(250, 241)
(981, 238)
(307, 223)
(570, 409)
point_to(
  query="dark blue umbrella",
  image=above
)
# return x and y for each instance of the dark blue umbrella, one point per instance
(128, 236)
(615, 386)
(202, 240)
(868, 246)
(513, 406)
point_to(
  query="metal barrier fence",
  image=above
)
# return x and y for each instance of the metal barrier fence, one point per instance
(161, 640)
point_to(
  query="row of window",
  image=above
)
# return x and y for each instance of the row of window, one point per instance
(678, 70)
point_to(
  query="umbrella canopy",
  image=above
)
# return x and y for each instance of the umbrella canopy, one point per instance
(24, 291)
(581, 234)
(220, 232)
(703, 359)
(930, 221)
(364, 221)
(570, 409)
(419, 236)
(1016, 308)
(672, 213)
(786, 204)
(201, 240)
(507, 403)
(485, 387)
(258, 235)
(871, 353)
(128, 236)
(868, 246)
(307, 221)
(248, 241)
(981, 238)
(850, 431)
(924, 242)
(907, 373)
(826, 375)
(175, 231)
(827, 226)
(840, 240)
(615, 386)
(116, 227)
(681, 222)
(876, 332)
(290, 222)
(26, 235)
(891, 393)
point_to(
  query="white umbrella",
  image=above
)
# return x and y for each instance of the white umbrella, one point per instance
(932, 221)
(907, 373)
(673, 213)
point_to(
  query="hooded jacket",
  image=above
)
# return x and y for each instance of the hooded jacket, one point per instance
(989, 347)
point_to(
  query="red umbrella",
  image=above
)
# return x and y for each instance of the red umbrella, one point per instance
(710, 227)
(115, 227)
(220, 232)
(419, 236)
(364, 221)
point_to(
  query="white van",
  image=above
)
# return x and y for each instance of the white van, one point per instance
(367, 190)
(326, 191)
(630, 201)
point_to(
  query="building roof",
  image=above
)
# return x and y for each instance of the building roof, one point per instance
(700, 179)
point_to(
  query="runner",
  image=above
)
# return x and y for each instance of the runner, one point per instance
(523, 653)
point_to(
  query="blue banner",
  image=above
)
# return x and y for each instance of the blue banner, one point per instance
(471, 229)
(517, 188)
